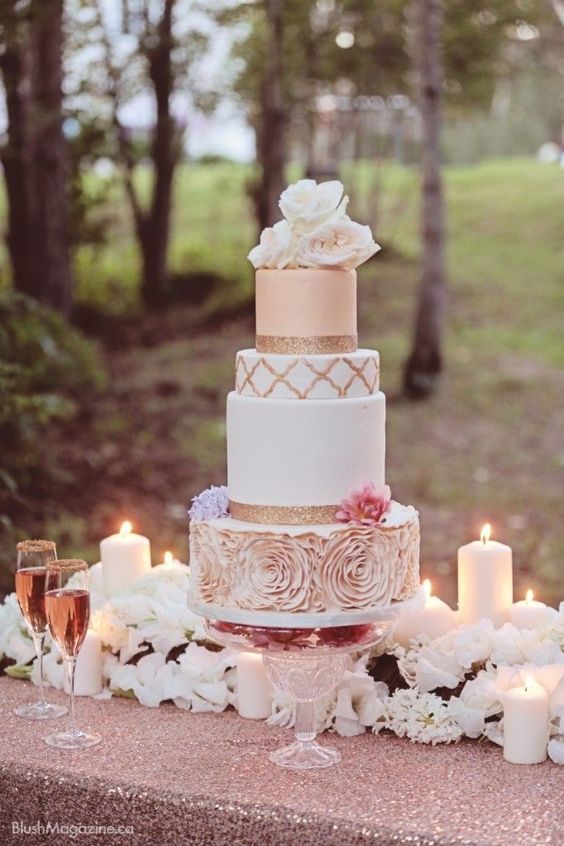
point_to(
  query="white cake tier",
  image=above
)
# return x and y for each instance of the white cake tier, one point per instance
(292, 377)
(293, 462)
(338, 567)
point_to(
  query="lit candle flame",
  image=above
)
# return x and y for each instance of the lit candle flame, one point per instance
(486, 533)
(529, 596)
(168, 557)
(529, 682)
(427, 587)
(125, 529)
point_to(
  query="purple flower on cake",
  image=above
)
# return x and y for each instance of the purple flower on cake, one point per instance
(211, 504)
(365, 507)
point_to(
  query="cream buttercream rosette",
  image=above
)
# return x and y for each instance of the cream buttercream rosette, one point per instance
(355, 572)
(212, 553)
(274, 573)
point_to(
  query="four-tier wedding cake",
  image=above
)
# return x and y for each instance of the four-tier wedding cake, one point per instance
(306, 523)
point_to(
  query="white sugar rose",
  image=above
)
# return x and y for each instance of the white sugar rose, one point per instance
(354, 572)
(275, 249)
(273, 574)
(307, 205)
(340, 243)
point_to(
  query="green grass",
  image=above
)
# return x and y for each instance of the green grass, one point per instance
(488, 446)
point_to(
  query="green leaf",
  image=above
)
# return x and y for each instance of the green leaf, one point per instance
(19, 671)
(126, 694)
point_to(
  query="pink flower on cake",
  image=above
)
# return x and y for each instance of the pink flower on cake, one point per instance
(365, 507)
(273, 574)
(276, 248)
(340, 243)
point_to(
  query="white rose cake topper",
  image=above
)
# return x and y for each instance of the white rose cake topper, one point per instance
(316, 232)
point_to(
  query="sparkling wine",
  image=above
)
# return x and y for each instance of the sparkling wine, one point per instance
(68, 612)
(30, 590)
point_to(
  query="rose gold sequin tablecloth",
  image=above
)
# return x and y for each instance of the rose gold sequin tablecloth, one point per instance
(185, 779)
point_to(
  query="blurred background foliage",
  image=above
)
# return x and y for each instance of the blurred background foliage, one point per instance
(144, 145)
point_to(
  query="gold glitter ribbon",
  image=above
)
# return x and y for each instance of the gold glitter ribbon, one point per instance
(286, 515)
(314, 345)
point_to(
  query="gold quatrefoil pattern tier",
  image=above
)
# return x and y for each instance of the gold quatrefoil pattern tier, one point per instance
(307, 376)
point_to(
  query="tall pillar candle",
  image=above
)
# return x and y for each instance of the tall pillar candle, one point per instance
(525, 724)
(88, 669)
(125, 557)
(485, 580)
(254, 691)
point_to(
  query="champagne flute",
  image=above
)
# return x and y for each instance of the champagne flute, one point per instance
(31, 565)
(67, 605)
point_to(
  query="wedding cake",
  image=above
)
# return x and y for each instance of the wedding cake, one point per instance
(306, 523)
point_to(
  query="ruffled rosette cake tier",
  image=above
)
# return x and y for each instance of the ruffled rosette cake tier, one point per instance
(305, 569)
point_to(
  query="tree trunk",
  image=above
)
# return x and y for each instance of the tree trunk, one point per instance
(52, 240)
(424, 365)
(165, 154)
(35, 157)
(271, 144)
(18, 162)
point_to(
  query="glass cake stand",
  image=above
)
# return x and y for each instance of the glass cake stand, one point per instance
(305, 656)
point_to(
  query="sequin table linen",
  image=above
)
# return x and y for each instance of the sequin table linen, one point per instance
(180, 778)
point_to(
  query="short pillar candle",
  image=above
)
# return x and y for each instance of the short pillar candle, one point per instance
(88, 669)
(254, 691)
(485, 580)
(528, 613)
(525, 724)
(435, 619)
(125, 558)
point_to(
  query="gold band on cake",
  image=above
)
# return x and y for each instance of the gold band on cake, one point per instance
(283, 515)
(315, 345)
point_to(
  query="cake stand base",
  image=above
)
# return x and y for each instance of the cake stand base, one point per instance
(305, 676)
(305, 755)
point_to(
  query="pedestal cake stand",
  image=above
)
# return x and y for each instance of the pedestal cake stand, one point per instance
(305, 656)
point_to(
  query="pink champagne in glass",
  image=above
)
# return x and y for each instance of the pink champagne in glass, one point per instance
(67, 606)
(31, 568)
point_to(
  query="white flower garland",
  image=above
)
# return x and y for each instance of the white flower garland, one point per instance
(155, 650)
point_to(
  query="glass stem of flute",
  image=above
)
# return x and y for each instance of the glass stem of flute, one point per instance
(38, 640)
(70, 664)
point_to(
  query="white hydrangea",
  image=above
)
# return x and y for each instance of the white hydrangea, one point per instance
(422, 717)
(554, 628)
